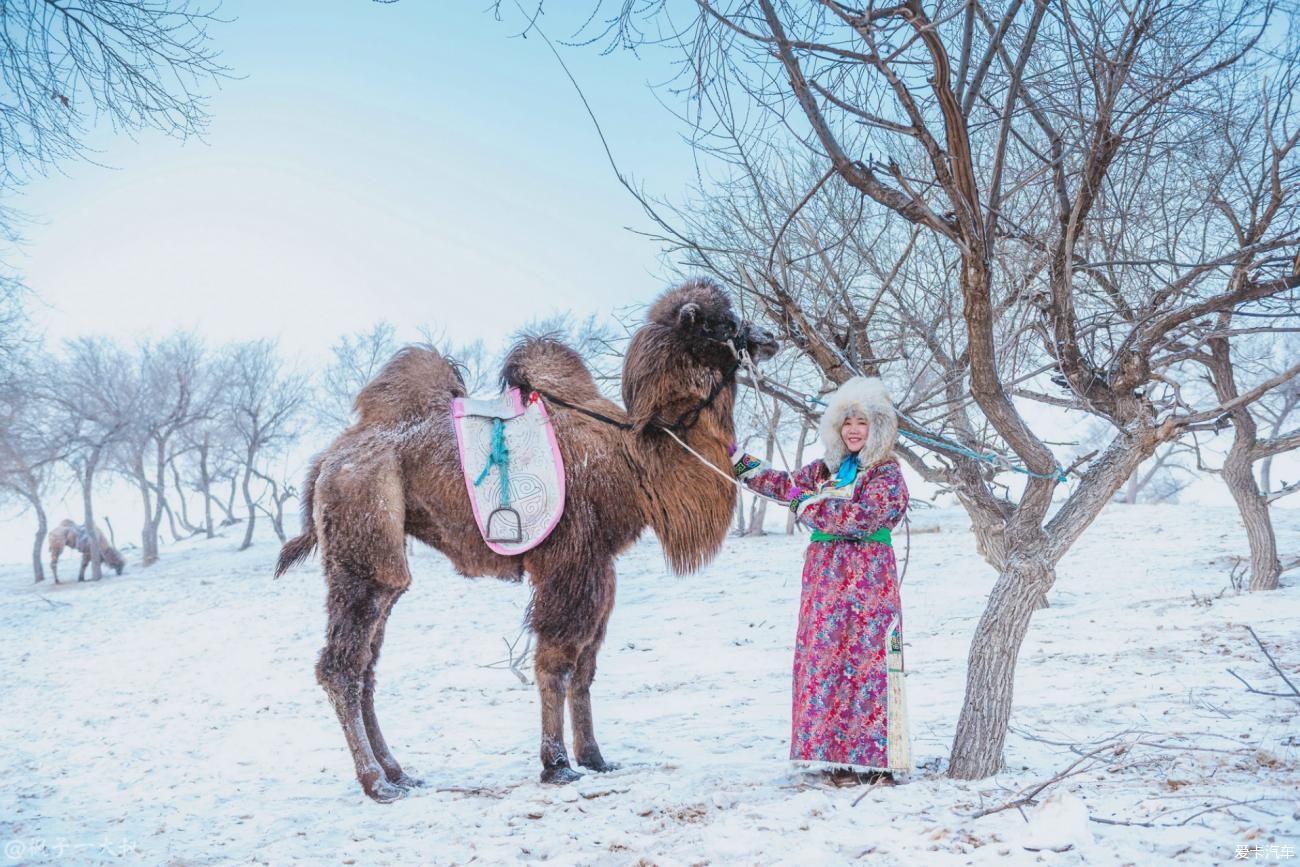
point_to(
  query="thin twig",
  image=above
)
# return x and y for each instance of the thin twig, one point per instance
(1250, 688)
(1273, 662)
(1027, 795)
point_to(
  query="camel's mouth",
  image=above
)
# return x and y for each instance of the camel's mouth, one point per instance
(760, 343)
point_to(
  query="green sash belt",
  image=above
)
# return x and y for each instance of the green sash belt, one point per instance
(882, 535)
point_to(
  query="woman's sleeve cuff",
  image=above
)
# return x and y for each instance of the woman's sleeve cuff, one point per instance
(747, 465)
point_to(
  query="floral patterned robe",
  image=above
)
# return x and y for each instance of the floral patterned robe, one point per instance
(849, 703)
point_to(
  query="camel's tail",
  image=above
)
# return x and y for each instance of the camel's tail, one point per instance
(299, 548)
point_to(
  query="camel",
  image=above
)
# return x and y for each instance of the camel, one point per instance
(396, 473)
(69, 534)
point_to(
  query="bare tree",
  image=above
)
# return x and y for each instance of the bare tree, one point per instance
(204, 446)
(15, 337)
(1279, 414)
(278, 492)
(1160, 479)
(1007, 196)
(29, 448)
(139, 63)
(1223, 364)
(262, 404)
(94, 400)
(168, 375)
(357, 358)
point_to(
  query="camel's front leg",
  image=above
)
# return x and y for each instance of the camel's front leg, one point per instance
(554, 664)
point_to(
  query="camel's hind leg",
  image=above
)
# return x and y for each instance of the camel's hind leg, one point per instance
(392, 769)
(585, 748)
(357, 606)
(55, 551)
(359, 524)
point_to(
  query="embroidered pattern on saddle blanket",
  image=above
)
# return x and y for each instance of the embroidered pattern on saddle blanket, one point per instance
(535, 470)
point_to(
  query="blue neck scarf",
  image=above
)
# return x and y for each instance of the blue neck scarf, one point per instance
(847, 474)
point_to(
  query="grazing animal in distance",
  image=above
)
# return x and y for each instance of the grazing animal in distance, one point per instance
(396, 472)
(69, 534)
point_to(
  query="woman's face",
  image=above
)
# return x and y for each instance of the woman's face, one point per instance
(854, 432)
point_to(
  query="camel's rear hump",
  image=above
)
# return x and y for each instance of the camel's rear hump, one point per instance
(417, 383)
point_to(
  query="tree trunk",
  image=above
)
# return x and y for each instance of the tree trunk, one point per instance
(171, 522)
(229, 506)
(184, 517)
(205, 484)
(991, 668)
(1131, 489)
(160, 494)
(277, 519)
(248, 501)
(1239, 474)
(87, 487)
(1240, 479)
(1030, 557)
(798, 464)
(38, 549)
(758, 513)
(148, 552)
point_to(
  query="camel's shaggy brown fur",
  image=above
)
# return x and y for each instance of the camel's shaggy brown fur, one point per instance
(396, 472)
(69, 534)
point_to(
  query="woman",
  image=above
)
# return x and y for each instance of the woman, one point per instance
(849, 706)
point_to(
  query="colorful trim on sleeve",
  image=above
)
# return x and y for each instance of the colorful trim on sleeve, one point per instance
(800, 503)
(747, 465)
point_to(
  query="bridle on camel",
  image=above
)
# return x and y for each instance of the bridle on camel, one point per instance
(684, 422)
(678, 429)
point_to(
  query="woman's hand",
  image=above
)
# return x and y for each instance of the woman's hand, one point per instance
(799, 496)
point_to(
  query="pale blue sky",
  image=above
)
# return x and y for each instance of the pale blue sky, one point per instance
(403, 162)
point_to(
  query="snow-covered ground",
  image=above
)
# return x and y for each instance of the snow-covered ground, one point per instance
(170, 715)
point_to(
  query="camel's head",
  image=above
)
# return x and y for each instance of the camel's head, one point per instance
(703, 323)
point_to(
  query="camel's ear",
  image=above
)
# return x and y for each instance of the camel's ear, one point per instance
(688, 313)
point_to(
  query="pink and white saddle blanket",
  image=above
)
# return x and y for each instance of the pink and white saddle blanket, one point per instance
(513, 470)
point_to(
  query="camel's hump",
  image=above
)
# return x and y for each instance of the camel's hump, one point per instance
(540, 363)
(416, 383)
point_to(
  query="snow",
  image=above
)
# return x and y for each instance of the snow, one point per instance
(170, 715)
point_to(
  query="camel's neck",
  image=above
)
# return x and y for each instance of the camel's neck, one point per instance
(688, 505)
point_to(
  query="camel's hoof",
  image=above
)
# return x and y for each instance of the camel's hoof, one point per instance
(560, 776)
(406, 781)
(385, 792)
(600, 766)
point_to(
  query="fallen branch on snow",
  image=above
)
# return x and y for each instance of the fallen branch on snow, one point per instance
(1027, 796)
(516, 660)
(1294, 693)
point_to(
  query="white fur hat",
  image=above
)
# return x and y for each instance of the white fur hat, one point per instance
(863, 396)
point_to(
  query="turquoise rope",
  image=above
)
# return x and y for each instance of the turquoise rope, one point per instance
(1059, 475)
(500, 458)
